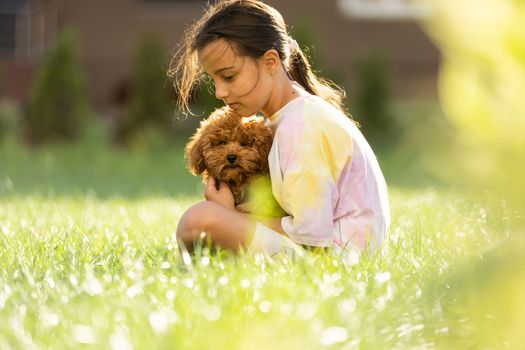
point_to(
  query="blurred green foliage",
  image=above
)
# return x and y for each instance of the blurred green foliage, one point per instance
(147, 115)
(58, 104)
(482, 82)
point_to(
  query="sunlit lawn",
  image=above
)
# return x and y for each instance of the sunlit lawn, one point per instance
(88, 259)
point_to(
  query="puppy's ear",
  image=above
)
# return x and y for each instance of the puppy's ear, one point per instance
(263, 138)
(194, 154)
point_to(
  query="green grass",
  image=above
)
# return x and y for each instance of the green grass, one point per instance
(88, 259)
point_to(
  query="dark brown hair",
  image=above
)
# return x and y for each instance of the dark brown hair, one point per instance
(253, 28)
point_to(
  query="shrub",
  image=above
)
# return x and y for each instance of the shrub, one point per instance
(9, 119)
(58, 103)
(1, 81)
(149, 103)
(372, 103)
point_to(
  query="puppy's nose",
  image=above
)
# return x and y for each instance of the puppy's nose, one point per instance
(231, 158)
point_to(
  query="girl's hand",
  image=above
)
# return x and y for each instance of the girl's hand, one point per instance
(223, 195)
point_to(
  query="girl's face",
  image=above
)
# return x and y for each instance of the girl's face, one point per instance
(243, 83)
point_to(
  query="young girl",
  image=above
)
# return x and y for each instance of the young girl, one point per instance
(323, 172)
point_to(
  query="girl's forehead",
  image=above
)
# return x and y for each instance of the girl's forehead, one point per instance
(218, 56)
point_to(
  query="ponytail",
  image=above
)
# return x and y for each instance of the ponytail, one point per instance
(301, 71)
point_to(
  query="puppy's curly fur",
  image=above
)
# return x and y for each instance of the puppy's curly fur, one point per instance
(233, 150)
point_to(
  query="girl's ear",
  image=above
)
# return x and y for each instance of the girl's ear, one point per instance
(194, 155)
(271, 60)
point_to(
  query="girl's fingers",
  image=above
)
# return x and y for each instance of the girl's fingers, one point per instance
(210, 188)
(211, 184)
(224, 187)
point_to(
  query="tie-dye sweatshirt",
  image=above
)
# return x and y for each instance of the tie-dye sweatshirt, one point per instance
(326, 177)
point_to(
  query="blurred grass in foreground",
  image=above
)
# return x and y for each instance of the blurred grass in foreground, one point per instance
(482, 82)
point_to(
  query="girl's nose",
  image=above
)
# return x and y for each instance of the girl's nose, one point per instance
(220, 92)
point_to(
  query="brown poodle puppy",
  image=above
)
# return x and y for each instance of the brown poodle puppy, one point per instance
(235, 150)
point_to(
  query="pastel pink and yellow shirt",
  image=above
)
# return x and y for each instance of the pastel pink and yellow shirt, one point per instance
(326, 177)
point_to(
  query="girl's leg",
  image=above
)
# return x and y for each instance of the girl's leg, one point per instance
(224, 227)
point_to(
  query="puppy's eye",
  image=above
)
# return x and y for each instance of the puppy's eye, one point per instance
(221, 143)
(247, 143)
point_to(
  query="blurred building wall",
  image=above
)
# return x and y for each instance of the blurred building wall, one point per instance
(109, 30)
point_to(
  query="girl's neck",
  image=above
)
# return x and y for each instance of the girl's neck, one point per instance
(285, 91)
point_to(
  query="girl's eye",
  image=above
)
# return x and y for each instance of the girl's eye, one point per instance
(229, 78)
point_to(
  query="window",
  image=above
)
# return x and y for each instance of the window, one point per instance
(8, 12)
(385, 9)
(7, 33)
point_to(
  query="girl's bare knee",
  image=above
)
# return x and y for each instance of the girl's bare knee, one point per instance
(193, 222)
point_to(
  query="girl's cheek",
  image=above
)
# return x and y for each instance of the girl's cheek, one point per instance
(244, 86)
